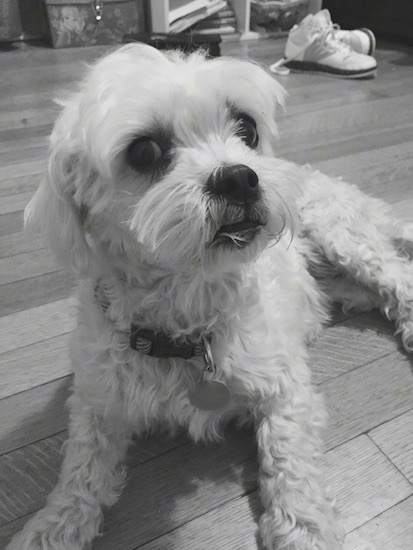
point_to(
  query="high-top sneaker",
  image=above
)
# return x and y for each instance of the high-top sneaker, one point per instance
(360, 40)
(312, 46)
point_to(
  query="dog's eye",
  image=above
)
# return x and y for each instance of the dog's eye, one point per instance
(247, 131)
(143, 153)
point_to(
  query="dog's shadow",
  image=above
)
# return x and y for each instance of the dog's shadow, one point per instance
(185, 482)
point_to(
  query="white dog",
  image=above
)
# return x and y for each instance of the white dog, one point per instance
(197, 250)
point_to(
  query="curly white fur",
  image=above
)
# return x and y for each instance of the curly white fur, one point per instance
(145, 237)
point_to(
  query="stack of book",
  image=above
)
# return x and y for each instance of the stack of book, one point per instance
(184, 14)
(223, 22)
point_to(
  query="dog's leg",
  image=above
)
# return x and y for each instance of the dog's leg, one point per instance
(338, 286)
(298, 511)
(90, 477)
(356, 234)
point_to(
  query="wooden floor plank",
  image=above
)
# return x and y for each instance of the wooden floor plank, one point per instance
(370, 335)
(36, 324)
(42, 78)
(34, 365)
(24, 99)
(392, 530)
(15, 203)
(49, 59)
(328, 147)
(364, 398)
(28, 168)
(20, 150)
(366, 169)
(346, 121)
(36, 291)
(323, 93)
(20, 184)
(14, 145)
(365, 481)
(34, 414)
(23, 266)
(395, 439)
(11, 138)
(25, 118)
(11, 223)
(18, 243)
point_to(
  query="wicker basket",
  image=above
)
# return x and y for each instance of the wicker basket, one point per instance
(279, 15)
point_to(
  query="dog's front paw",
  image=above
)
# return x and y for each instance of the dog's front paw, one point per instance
(56, 530)
(290, 534)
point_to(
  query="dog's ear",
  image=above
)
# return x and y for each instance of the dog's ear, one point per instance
(53, 213)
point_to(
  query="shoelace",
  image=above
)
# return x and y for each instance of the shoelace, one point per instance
(333, 43)
(331, 26)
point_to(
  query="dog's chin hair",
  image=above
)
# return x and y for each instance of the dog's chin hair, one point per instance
(169, 222)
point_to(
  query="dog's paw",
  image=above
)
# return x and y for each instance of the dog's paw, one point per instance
(305, 542)
(55, 531)
(42, 539)
(293, 535)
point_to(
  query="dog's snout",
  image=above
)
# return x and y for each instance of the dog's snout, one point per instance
(238, 184)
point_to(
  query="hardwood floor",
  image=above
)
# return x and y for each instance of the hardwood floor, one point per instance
(181, 495)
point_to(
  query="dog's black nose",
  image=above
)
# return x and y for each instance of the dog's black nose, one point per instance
(238, 184)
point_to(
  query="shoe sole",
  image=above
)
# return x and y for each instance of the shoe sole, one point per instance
(317, 68)
(370, 34)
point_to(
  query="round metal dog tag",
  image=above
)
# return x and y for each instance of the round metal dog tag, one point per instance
(210, 396)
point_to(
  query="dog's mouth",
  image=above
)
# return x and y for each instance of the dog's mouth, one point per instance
(238, 234)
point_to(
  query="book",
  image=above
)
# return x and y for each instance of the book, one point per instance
(219, 30)
(182, 8)
(212, 7)
(211, 23)
(225, 13)
(222, 22)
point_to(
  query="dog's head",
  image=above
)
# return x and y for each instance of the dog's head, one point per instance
(166, 159)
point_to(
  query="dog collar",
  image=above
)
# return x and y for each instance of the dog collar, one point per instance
(208, 394)
(157, 344)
